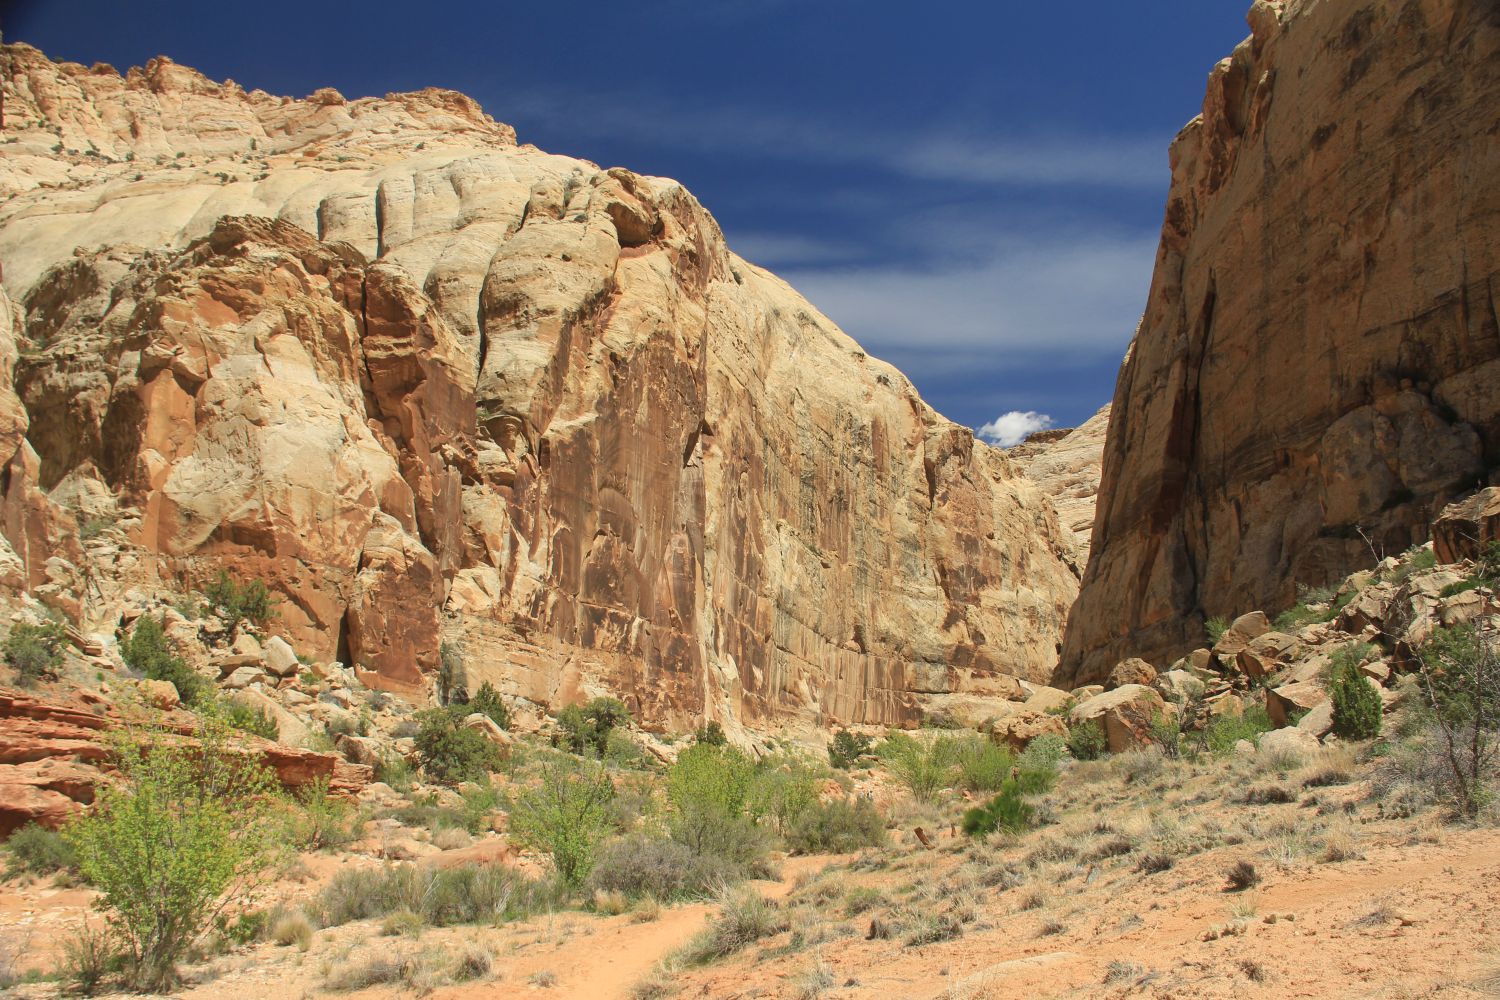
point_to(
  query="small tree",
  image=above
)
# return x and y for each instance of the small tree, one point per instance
(848, 749)
(712, 734)
(234, 604)
(1087, 741)
(925, 767)
(1357, 708)
(487, 701)
(450, 751)
(566, 817)
(35, 651)
(186, 831)
(585, 729)
(147, 651)
(1460, 676)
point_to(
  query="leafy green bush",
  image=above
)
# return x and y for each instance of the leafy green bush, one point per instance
(1215, 628)
(1166, 733)
(709, 789)
(35, 850)
(983, 766)
(35, 651)
(1045, 753)
(585, 729)
(487, 701)
(1087, 741)
(250, 719)
(322, 820)
(182, 835)
(924, 767)
(711, 734)
(782, 787)
(1459, 672)
(640, 865)
(848, 749)
(147, 651)
(1008, 811)
(450, 752)
(566, 817)
(836, 827)
(1220, 736)
(1357, 708)
(234, 604)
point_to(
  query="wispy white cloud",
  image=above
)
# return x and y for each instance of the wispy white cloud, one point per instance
(1012, 428)
(943, 153)
(784, 250)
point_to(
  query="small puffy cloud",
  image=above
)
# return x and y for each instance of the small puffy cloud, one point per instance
(1011, 428)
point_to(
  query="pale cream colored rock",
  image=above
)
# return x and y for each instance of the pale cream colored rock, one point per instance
(290, 729)
(1318, 720)
(1179, 686)
(1067, 469)
(1126, 713)
(1240, 631)
(1017, 731)
(1273, 408)
(1046, 699)
(1298, 744)
(159, 694)
(1284, 701)
(1132, 670)
(454, 374)
(280, 659)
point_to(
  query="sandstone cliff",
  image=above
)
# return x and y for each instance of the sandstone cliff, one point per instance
(1066, 465)
(1319, 356)
(431, 383)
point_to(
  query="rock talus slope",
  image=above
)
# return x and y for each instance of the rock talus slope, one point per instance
(1320, 352)
(431, 383)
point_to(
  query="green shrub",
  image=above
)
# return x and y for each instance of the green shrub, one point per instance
(1166, 733)
(147, 651)
(35, 850)
(1215, 628)
(836, 827)
(487, 701)
(465, 894)
(585, 729)
(710, 793)
(35, 651)
(1087, 741)
(1045, 753)
(450, 752)
(1459, 671)
(1357, 708)
(782, 788)
(924, 767)
(983, 766)
(1008, 811)
(712, 734)
(640, 866)
(848, 749)
(234, 604)
(181, 836)
(394, 771)
(250, 719)
(1221, 735)
(566, 817)
(322, 820)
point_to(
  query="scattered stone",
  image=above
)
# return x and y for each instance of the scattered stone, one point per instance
(280, 659)
(1132, 670)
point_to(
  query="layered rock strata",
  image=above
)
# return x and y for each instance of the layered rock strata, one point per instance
(1316, 371)
(431, 383)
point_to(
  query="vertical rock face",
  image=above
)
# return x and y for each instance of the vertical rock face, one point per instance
(432, 384)
(1319, 357)
(1066, 465)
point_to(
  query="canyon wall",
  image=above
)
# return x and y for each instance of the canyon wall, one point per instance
(432, 384)
(1317, 369)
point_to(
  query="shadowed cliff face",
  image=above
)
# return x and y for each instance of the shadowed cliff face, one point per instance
(431, 384)
(1318, 360)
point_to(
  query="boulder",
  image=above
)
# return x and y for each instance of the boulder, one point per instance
(280, 659)
(289, 728)
(1132, 670)
(1126, 713)
(1229, 706)
(242, 677)
(1017, 731)
(1047, 699)
(1289, 742)
(1179, 686)
(1288, 700)
(486, 725)
(1267, 653)
(1318, 720)
(1087, 691)
(360, 750)
(159, 694)
(1240, 631)
(1463, 529)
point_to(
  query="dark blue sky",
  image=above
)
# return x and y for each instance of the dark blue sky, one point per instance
(971, 190)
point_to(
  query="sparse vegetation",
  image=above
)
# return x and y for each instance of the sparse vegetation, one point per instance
(35, 850)
(925, 767)
(1460, 678)
(35, 652)
(1215, 628)
(235, 603)
(565, 817)
(586, 729)
(1086, 741)
(449, 751)
(185, 833)
(848, 750)
(1357, 708)
(487, 701)
(148, 652)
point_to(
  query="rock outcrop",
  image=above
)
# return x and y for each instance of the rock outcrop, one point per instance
(1315, 372)
(430, 383)
(1067, 467)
